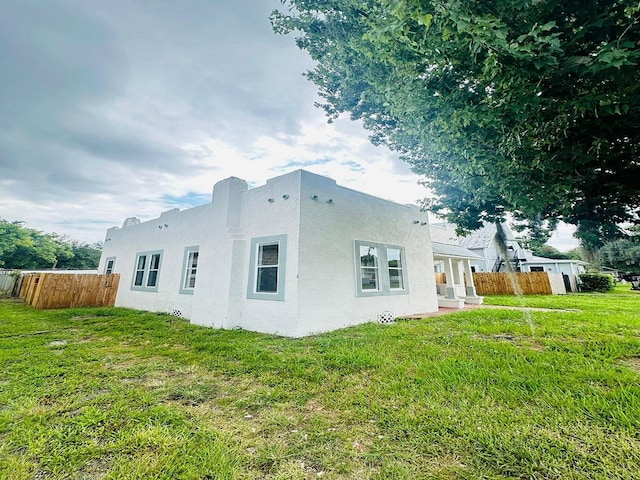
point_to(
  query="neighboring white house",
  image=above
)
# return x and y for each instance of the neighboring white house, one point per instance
(553, 265)
(297, 256)
(484, 255)
(483, 242)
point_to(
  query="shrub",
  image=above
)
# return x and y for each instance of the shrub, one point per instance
(596, 282)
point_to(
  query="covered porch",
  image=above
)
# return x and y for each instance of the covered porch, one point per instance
(454, 277)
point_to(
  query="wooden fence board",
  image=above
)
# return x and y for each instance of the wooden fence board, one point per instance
(55, 290)
(7, 280)
(29, 286)
(503, 283)
(557, 283)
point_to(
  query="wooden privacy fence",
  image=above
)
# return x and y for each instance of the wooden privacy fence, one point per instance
(530, 283)
(58, 290)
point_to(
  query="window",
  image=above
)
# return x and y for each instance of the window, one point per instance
(369, 269)
(189, 270)
(266, 268)
(109, 265)
(537, 269)
(147, 271)
(381, 269)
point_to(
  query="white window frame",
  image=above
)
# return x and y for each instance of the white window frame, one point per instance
(188, 270)
(399, 269)
(254, 267)
(146, 270)
(384, 278)
(108, 270)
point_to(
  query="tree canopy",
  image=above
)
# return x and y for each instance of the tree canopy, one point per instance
(623, 254)
(524, 106)
(26, 248)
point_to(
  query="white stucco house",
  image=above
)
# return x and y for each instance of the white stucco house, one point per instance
(297, 256)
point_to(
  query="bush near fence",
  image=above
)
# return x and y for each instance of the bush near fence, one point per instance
(52, 290)
(530, 283)
(596, 282)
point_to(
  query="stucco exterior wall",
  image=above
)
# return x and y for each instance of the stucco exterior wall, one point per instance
(489, 257)
(171, 233)
(320, 272)
(329, 226)
(272, 209)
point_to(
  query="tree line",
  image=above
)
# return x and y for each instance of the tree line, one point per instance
(24, 248)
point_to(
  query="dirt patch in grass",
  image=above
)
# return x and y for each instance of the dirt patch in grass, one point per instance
(144, 381)
(95, 470)
(633, 363)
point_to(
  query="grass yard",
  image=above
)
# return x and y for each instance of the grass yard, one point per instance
(486, 393)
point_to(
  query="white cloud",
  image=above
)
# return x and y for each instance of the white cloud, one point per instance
(563, 238)
(117, 109)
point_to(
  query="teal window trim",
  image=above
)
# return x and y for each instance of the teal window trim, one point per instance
(255, 269)
(146, 271)
(109, 265)
(381, 269)
(188, 270)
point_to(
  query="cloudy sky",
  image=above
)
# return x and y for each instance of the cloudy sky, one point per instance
(117, 109)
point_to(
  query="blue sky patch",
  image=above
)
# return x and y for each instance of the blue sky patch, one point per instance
(189, 200)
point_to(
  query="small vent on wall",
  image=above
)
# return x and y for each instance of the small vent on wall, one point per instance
(174, 312)
(386, 317)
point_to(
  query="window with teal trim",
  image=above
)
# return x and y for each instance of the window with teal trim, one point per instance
(109, 265)
(147, 271)
(380, 269)
(189, 269)
(267, 268)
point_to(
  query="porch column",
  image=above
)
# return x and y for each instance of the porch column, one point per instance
(448, 270)
(459, 269)
(471, 288)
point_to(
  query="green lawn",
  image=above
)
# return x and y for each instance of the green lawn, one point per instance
(487, 393)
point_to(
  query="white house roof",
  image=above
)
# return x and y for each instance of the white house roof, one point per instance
(446, 250)
(480, 238)
(483, 237)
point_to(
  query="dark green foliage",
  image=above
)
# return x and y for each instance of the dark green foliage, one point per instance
(517, 106)
(596, 282)
(26, 248)
(623, 254)
(85, 256)
(548, 251)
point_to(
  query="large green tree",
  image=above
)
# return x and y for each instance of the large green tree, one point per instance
(523, 106)
(623, 254)
(85, 256)
(26, 248)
